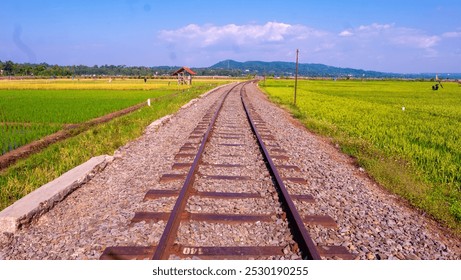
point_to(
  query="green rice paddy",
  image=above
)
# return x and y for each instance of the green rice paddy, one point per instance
(407, 136)
(33, 109)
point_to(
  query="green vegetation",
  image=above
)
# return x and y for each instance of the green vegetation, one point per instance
(28, 115)
(30, 110)
(404, 134)
(28, 174)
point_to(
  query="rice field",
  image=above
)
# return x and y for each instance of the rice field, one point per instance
(54, 108)
(32, 109)
(406, 135)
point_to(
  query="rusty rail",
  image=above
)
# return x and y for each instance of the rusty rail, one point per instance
(301, 236)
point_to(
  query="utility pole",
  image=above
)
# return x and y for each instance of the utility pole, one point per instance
(296, 75)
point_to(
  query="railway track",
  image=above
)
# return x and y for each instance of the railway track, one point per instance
(231, 195)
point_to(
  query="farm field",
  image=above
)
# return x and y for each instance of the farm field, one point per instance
(52, 109)
(405, 135)
(32, 109)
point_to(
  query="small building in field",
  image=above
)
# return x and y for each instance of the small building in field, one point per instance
(184, 75)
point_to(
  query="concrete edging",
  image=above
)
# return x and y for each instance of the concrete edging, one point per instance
(41, 200)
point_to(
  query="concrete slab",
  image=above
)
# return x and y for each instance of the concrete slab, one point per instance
(38, 202)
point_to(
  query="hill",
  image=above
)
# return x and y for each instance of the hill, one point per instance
(280, 68)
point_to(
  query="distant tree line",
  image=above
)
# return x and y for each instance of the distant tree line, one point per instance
(9, 68)
(43, 69)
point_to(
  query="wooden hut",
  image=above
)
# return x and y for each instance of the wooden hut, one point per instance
(184, 75)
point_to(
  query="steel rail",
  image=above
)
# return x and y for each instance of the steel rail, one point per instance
(171, 228)
(300, 234)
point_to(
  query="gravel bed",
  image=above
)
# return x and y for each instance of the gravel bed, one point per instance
(231, 186)
(372, 223)
(231, 206)
(243, 234)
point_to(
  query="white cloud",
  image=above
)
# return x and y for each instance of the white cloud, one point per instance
(346, 33)
(209, 35)
(374, 27)
(451, 35)
(390, 34)
(416, 40)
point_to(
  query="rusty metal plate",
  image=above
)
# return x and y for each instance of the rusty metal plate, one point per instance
(146, 252)
(230, 137)
(172, 177)
(187, 149)
(229, 218)
(280, 157)
(278, 150)
(303, 197)
(322, 220)
(272, 145)
(150, 216)
(154, 194)
(224, 177)
(229, 134)
(229, 156)
(232, 145)
(267, 137)
(224, 165)
(336, 251)
(296, 180)
(201, 217)
(228, 195)
(128, 253)
(224, 252)
(181, 155)
(189, 144)
(289, 167)
(181, 165)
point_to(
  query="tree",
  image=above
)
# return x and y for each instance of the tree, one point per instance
(9, 67)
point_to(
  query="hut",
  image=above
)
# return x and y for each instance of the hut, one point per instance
(184, 75)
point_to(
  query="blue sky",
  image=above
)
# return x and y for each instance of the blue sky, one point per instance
(383, 35)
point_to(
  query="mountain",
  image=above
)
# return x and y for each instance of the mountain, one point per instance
(280, 68)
